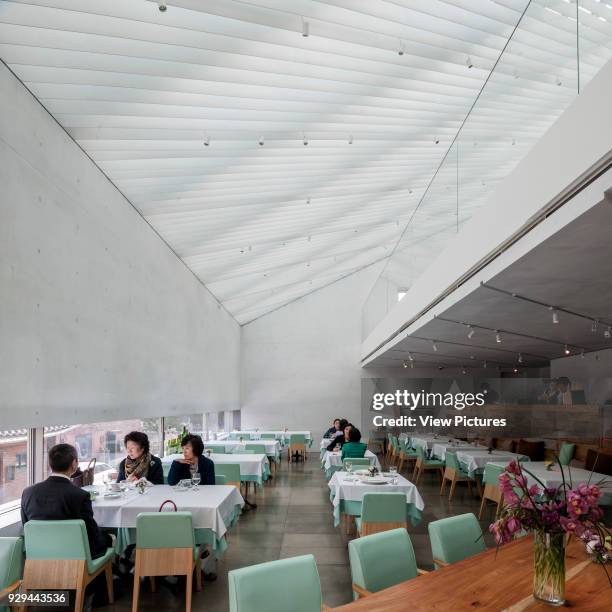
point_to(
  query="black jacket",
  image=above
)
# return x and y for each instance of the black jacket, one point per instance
(57, 499)
(339, 441)
(155, 475)
(180, 471)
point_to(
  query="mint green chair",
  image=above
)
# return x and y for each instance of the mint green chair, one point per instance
(406, 454)
(381, 512)
(243, 451)
(277, 586)
(259, 449)
(296, 447)
(566, 453)
(491, 492)
(11, 566)
(422, 464)
(455, 538)
(231, 471)
(165, 546)
(455, 473)
(220, 480)
(268, 436)
(58, 557)
(381, 560)
(357, 462)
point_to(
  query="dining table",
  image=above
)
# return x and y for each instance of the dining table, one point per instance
(493, 581)
(273, 447)
(214, 509)
(347, 491)
(552, 475)
(332, 461)
(475, 459)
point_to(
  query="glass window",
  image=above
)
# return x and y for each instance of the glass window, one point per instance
(104, 441)
(177, 426)
(13, 466)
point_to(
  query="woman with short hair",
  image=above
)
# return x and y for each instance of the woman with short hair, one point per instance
(354, 448)
(140, 463)
(342, 439)
(193, 461)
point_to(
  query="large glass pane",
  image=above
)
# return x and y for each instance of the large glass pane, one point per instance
(104, 441)
(13, 465)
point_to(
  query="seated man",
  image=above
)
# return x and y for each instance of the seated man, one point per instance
(354, 448)
(57, 499)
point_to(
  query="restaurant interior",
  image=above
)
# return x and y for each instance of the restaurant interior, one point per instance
(305, 305)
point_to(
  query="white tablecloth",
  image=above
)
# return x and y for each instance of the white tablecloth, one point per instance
(253, 466)
(280, 434)
(553, 478)
(475, 460)
(439, 449)
(212, 506)
(273, 447)
(334, 460)
(354, 491)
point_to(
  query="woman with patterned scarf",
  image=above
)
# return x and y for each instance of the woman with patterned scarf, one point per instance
(140, 463)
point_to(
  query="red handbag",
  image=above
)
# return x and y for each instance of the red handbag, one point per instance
(168, 501)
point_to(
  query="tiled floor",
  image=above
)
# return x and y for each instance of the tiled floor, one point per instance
(294, 517)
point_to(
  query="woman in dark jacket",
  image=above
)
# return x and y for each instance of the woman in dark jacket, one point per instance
(345, 427)
(140, 463)
(192, 461)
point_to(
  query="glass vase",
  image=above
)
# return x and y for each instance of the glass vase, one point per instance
(549, 567)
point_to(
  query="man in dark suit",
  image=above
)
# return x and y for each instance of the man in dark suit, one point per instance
(57, 499)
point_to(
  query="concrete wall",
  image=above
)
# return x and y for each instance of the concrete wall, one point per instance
(301, 363)
(98, 317)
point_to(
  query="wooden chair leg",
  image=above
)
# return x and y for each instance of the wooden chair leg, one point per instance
(443, 486)
(452, 489)
(482, 505)
(79, 597)
(188, 588)
(418, 476)
(109, 583)
(136, 589)
(153, 585)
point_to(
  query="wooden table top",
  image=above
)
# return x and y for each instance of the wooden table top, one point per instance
(494, 581)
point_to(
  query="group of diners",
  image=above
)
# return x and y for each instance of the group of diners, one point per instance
(345, 437)
(56, 498)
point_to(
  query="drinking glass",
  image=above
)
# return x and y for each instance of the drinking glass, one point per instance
(195, 480)
(349, 468)
(393, 473)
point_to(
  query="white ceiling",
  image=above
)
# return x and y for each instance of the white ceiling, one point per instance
(142, 91)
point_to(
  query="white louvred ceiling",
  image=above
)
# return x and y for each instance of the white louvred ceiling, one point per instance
(173, 106)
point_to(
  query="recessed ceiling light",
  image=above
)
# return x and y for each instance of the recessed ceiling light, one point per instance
(162, 6)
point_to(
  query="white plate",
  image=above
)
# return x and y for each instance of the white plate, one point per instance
(361, 472)
(375, 480)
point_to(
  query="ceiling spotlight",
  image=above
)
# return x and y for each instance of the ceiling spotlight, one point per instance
(440, 367)
(555, 315)
(594, 326)
(305, 141)
(582, 354)
(498, 337)
(405, 364)
(558, 82)
(162, 6)
(566, 350)
(410, 357)
(470, 331)
(307, 200)
(402, 48)
(608, 333)
(351, 139)
(468, 62)
(520, 358)
(515, 370)
(261, 141)
(463, 370)
(434, 346)
(305, 28)
(484, 364)
(207, 141)
(410, 191)
(437, 140)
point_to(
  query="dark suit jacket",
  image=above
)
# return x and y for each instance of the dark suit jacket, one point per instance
(180, 471)
(155, 475)
(57, 499)
(339, 441)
